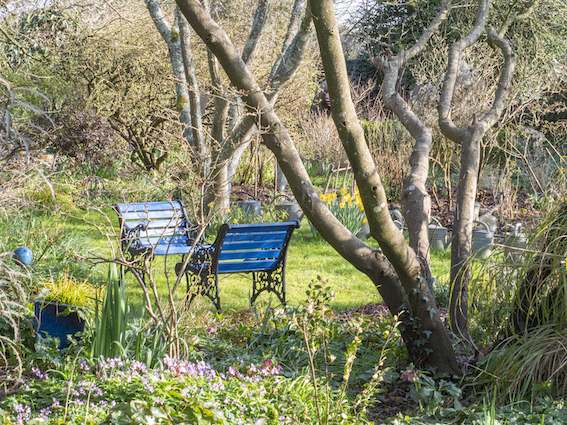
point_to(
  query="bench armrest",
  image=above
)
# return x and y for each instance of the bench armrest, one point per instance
(131, 232)
(131, 235)
(202, 254)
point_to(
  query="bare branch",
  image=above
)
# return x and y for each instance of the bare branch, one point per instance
(505, 82)
(299, 7)
(448, 128)
(291, 55)
(193, 87)
(406, 55)
(512, 17)
(258, 25)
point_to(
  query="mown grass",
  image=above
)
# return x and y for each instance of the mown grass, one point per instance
(62, 239)
(307, 260)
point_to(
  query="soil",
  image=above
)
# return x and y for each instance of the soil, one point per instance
(10, 384)
(519, 208)
(249, 192)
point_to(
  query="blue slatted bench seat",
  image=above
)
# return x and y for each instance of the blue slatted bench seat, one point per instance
(259, 249)
(155, 228)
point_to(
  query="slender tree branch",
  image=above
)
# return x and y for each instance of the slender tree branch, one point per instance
(193, 89)
(420, 44)
(448, 128)
(512, 17)
(505, 81)
(258, 25)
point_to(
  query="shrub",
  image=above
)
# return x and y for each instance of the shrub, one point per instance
(85, 136)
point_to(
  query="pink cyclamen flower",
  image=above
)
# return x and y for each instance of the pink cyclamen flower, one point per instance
(410, 375)
(212, 330)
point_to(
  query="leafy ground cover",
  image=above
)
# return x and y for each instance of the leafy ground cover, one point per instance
(332, 356)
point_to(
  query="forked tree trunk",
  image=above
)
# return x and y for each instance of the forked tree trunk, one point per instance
(416, 202)
(469, 140)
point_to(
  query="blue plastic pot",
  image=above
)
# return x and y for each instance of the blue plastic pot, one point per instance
(50, 322)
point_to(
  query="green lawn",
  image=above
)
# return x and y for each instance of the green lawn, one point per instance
(306, 260)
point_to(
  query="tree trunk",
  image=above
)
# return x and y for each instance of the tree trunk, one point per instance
(397, 277)
(200, 153)
(469, 139)
(168, 31)
(461, 247)
(416, 203)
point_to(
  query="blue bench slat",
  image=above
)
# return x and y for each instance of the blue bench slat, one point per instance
(236, 246)
(158, 233)
(261, 227)
(172, 249)
(149, 206)
(246, 266)
(147, 245)
(180, 239)
(157, 224)
(249, 255)
(235, 237)
(152, 215)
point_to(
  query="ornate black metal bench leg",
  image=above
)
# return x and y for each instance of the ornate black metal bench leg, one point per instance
(213, 292)
(205, 287)
(273, 281)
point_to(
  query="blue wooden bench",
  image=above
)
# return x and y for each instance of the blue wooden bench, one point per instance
(155, 228)
(259, 249)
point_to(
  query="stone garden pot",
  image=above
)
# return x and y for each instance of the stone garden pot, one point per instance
(251, 207)
(292, 209)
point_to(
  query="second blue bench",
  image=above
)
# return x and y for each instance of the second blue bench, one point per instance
(260, 249)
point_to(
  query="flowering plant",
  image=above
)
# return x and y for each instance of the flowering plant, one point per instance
(117, 391)
(348, 209)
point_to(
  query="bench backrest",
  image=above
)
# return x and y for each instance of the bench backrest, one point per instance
(251, 247)
(160, 222)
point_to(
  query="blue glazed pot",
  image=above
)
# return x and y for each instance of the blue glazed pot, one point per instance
(49, 321)
(23, 256)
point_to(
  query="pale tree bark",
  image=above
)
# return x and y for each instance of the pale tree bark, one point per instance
(295, 22)
(260, 19)
(415, 200)
(469, 139)
(170, 34)
(200, 149)
(397, 271)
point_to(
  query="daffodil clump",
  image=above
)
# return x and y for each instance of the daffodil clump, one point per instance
(348, 209)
